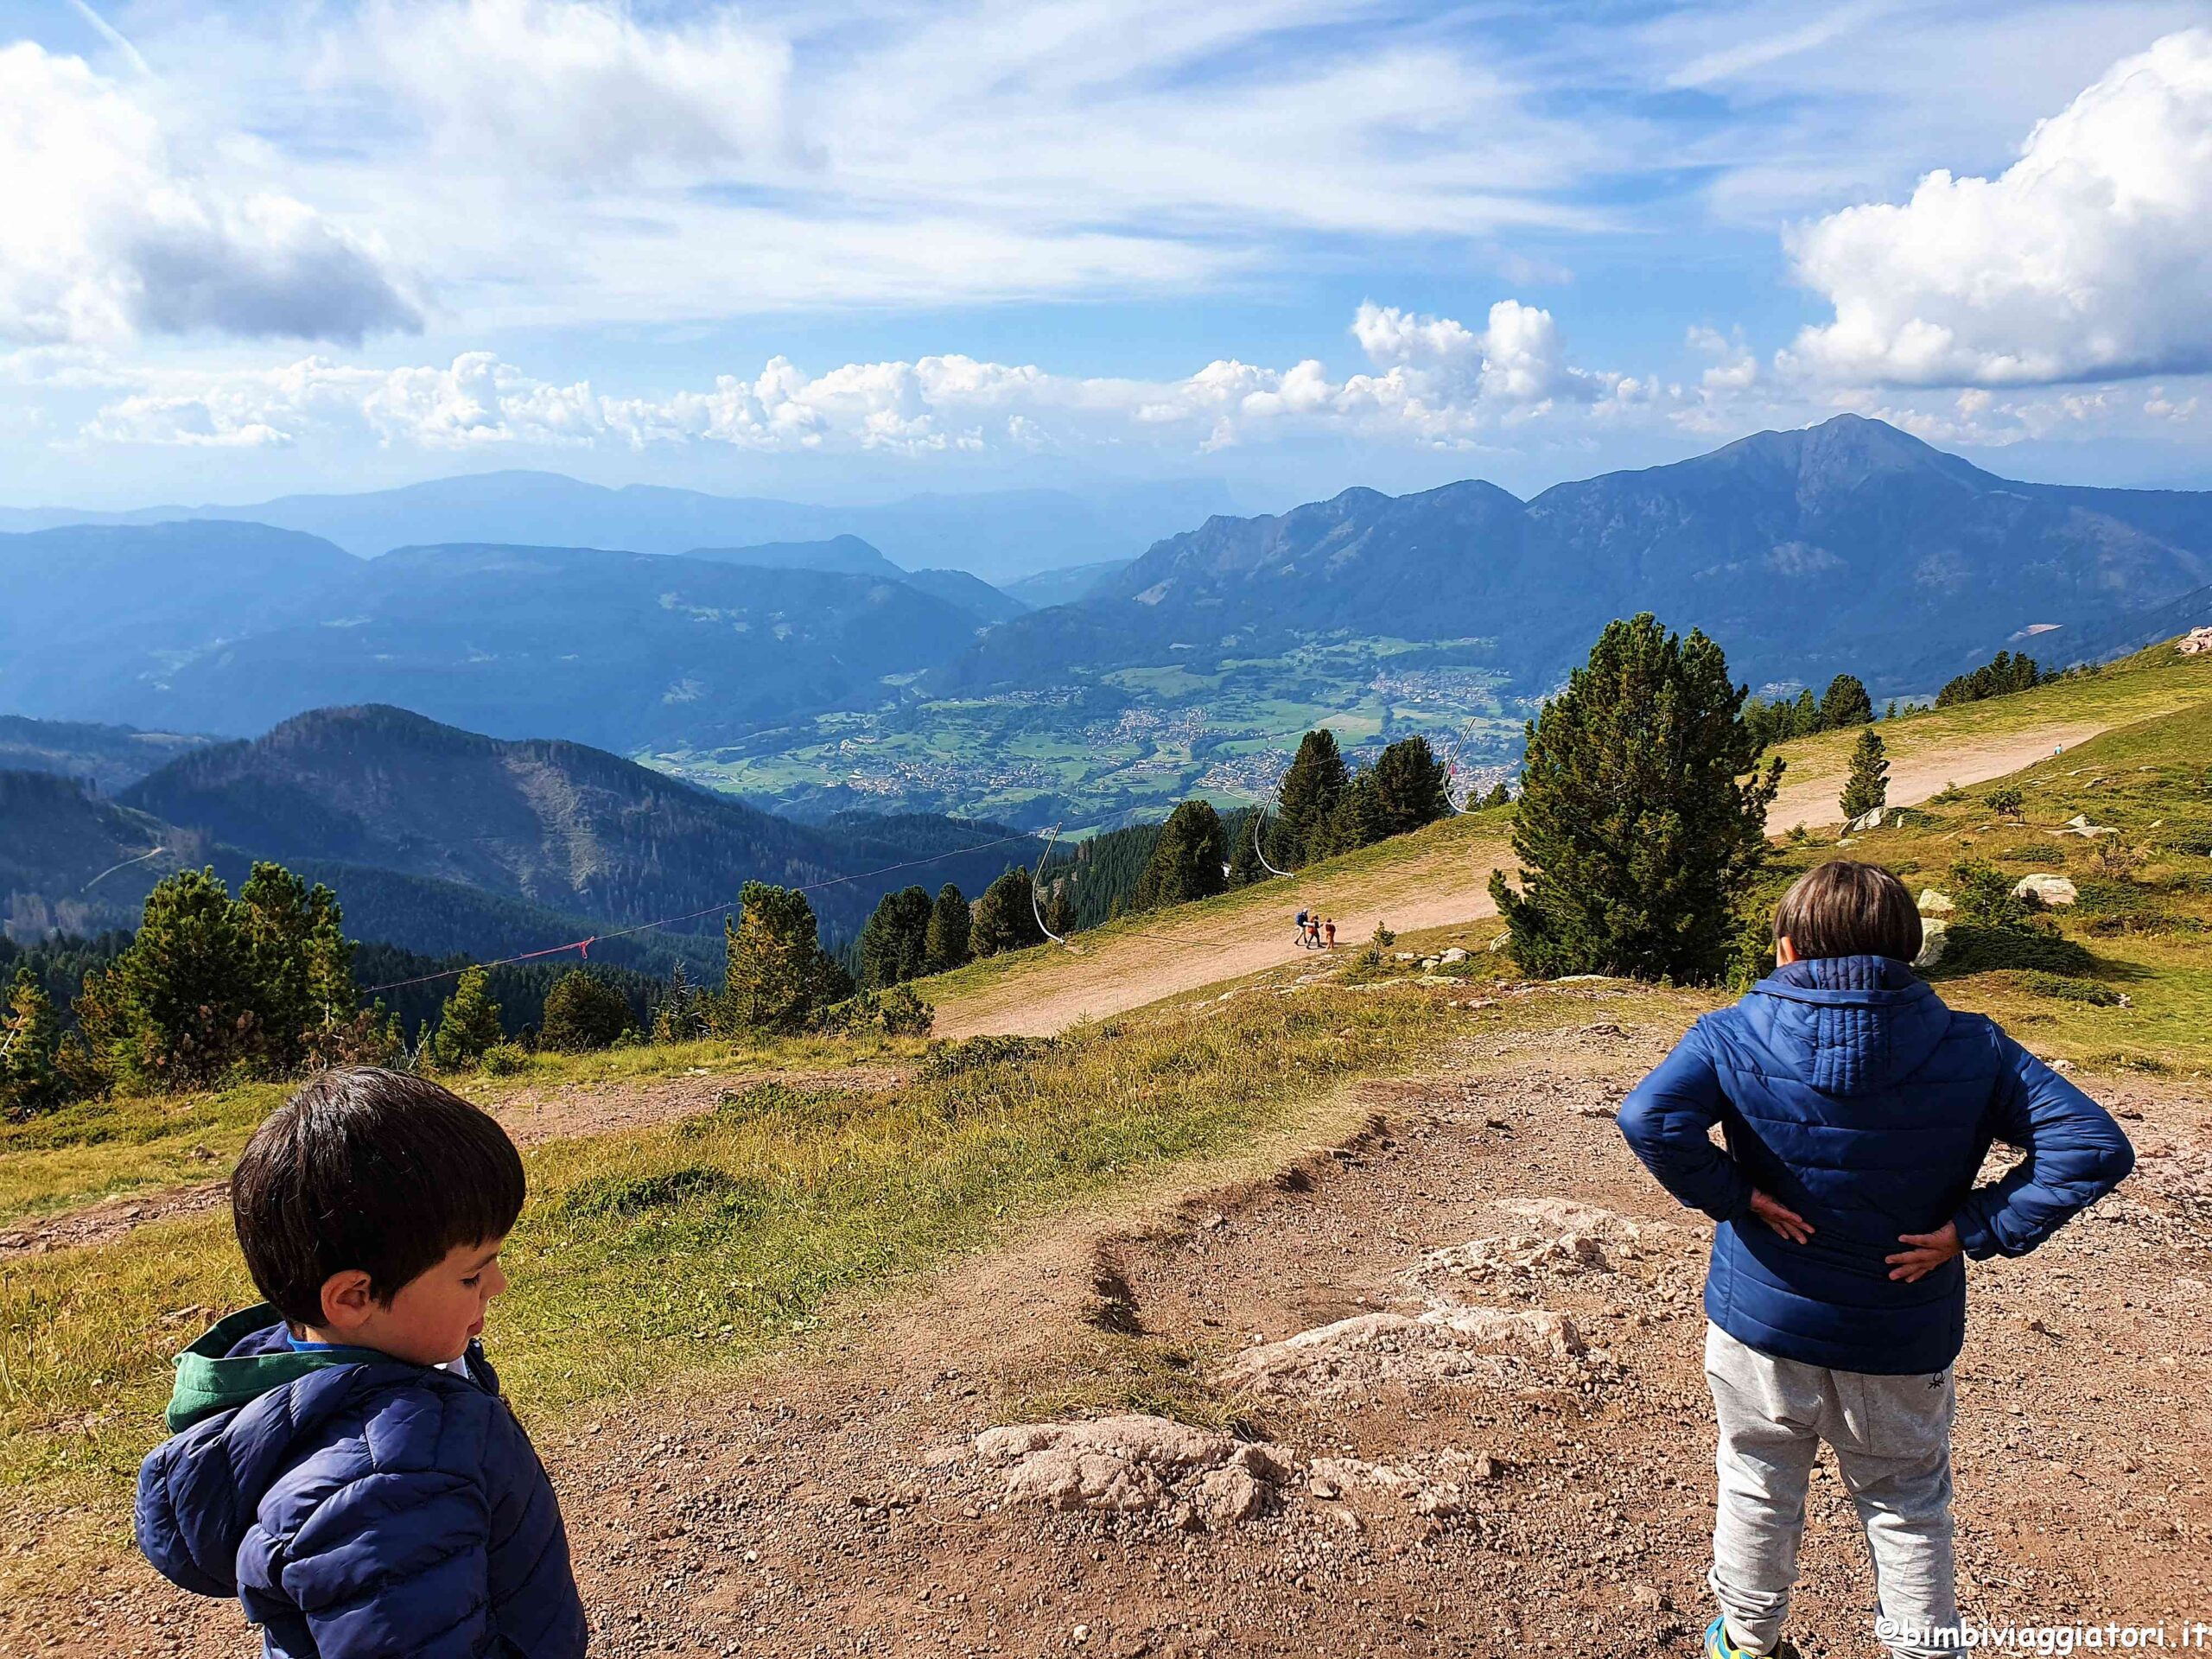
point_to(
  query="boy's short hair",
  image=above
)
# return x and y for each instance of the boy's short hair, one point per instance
(373, 1170)
(1844, 908)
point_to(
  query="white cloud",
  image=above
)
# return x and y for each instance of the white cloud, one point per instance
(2088, 258)
(575, 90)
(105, 235)
(1435, 381)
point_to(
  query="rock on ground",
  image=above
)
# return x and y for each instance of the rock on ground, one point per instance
(1444, 1344)
(1135, 1464)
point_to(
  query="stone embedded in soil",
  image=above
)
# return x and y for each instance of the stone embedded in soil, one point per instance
(1439, 1483)
(1134, 1465)
(1444, 1344)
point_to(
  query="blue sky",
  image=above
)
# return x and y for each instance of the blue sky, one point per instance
(845, 250)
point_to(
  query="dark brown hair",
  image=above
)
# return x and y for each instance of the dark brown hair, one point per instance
(1843, 908)
(371, 1170)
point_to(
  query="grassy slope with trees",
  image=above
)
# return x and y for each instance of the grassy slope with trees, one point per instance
(756, 1221)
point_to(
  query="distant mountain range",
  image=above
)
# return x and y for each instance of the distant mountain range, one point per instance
(226, 627)
(999, 535)
(1850, 546)
(440, 840)
(813, 673)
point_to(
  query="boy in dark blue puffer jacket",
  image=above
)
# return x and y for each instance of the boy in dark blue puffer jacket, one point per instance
(1856, 1110)
(342, 1460)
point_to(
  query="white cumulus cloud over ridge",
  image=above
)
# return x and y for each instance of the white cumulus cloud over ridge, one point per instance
(1431, 380)
(2090, 258)
(105, 235)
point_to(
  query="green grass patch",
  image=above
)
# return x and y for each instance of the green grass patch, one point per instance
(650, 1257)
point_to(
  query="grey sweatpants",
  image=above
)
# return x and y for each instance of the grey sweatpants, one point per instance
(1892, 1440)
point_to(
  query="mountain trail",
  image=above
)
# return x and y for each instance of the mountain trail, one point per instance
(1426, 890)
(1075, 1445)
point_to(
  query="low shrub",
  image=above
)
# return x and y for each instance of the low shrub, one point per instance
(956, 1059)
(631, 1195)
(896, 1010)
(1972, 949)
(2069, 989)
(503, 1059)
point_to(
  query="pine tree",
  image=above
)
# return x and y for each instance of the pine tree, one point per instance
(1004, 918)
(1868, 786)
(1059, 910)
(31, 1077)
(1410, 786)
(178, 1009)
(1356, 821)
(676, 1018)
(1845, 704)
(582, 1012)
(945, 945)
(1186, 861)
(1311, 789)
(468, 1024)
(302, 963)
(894, 944)
(1499, 795)
(1804, 715)
(777, 977)
(1637, 828)
(1244, 866)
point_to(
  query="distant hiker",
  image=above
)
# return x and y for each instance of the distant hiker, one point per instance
(1857, 1110)
(1313, 932)
(1329, 927)
(1301, 930)
(342, 1460)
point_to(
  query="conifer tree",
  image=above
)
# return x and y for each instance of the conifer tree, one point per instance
(300, 961)
(1004, 918)
(1868, 786)
(1845, 704)
(1637, 828)
(468, 1024)
(778, 976)
(178, 1008)
(1186, 861)
(676, 1018)
(1311, 789)
(1804, 715)
(945, 945)
(1059, 910)
(582, 1012)
(1410, 786)
(1356, 821)
(1244, 866)
(894, 944)
(31, 1076)
(1499, 795)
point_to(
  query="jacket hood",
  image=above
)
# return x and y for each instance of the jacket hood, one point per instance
(1850, 1025)
(239, 1359)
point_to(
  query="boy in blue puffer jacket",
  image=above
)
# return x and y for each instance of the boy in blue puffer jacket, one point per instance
(342, 1460)
(1857, 1110)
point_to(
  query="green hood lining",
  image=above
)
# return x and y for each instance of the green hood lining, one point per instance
(208, 1382)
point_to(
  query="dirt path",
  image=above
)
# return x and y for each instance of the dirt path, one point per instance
(1106, 977)
(1545, 1493)
(569, 1111)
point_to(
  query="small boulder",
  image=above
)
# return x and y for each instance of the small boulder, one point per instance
(1933, 903)
(1933, 938)
(2052, 891)
(1455, 954)
(1134, 1463)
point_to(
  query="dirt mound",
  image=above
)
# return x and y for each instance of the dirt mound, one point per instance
(1138, 1464)
(1409, 1350)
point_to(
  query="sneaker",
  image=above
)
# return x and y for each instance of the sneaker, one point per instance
(1718, 1646)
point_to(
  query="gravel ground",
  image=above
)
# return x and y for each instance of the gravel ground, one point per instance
(1542, 1496)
